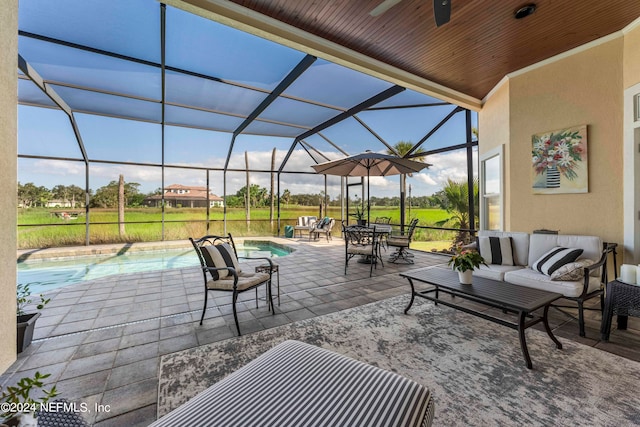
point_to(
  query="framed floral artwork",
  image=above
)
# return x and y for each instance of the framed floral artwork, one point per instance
(560, 161)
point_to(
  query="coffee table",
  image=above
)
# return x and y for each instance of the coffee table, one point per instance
(510, 298)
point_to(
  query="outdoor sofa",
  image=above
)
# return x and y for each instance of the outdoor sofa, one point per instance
(305, 223)
(538, 261)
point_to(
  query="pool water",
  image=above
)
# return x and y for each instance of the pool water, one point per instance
(47, 275)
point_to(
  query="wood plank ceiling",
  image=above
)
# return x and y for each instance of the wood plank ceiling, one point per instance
(480, 45)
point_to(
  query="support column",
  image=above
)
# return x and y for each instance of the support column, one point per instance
(8, 174)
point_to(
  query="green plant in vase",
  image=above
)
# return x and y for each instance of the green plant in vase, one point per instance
(359, 216)
(26, 321)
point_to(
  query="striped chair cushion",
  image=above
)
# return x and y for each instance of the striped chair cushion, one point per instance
(555, 258)
(220, 256)
(297, 384)
(496, 250)
(245, 281)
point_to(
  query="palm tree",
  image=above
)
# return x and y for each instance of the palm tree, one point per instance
(286, 196)
(456, 203)
(401, 149)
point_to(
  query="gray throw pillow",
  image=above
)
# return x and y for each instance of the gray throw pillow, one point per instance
(556, 258)
(572, 271)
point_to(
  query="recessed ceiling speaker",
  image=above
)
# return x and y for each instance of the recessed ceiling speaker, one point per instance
(524, 11)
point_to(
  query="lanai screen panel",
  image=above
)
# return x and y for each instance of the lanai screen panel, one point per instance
(453, 132)
(106, 25)
(30, 94)
(190, 117)
(68, 65)
(259, 127)
(299, 113)
(321, 150)
(226, 53)
(189, 90)
(183, 209)
(110, 105)
(46, 132)
(309, 184)
(55, 173)
(405, 124)
(113, 139)
(195, 147)
(334, 85)
(352, 137)
(259, 149)
(299, 161)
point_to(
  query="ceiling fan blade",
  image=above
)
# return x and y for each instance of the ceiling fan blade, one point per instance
(441, 11)
(383, 7)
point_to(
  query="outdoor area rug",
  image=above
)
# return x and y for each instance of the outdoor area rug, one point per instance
(473, 367)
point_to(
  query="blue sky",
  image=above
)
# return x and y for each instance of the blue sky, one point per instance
(252, 65)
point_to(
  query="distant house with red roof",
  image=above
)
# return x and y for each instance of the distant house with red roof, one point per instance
(178, 195)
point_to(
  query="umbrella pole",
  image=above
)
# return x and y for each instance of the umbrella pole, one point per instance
(368, 200)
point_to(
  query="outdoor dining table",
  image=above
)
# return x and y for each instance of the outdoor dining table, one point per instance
(379, 230)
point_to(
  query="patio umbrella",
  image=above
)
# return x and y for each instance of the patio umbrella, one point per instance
(369, 164)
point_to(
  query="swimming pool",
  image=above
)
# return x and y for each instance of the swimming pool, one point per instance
(47, 275)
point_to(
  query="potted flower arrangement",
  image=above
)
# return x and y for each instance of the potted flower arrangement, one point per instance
(26, 321)
(359, 216)
(464, 261)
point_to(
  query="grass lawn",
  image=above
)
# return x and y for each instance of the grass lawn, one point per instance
(41, 228)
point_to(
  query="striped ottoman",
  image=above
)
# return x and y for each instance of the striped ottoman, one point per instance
(297, 384)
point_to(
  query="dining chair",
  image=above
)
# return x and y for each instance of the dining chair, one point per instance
(401, 243)
(222, 272)
(361, 240)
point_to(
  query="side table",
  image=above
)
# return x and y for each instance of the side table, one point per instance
(623, 300)
(265, 269)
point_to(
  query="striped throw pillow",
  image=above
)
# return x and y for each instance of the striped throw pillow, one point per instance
(555, 258)
(220, 256)
(496, 250)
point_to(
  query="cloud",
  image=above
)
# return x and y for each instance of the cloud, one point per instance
(52, 172)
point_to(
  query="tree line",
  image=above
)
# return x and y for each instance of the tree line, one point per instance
(30, 195)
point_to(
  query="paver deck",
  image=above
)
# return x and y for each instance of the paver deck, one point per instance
(101, 341)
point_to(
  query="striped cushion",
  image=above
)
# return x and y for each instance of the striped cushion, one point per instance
(220, 256)
(245, 281)
(496, 250)
(555, 258)
(297, 384)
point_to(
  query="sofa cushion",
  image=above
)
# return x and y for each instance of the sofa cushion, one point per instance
(519, 242)
(534, 279)
(496, 250)
(571, 271)
(555, 258)
(494, 272)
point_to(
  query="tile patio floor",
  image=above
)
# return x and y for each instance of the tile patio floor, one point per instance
(101, 341)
